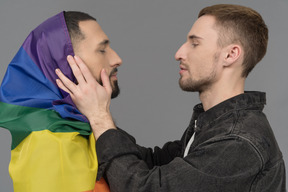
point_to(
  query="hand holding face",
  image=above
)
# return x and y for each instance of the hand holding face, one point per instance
(92, 99)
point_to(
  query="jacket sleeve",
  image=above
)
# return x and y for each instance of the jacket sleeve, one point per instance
(158, 156)
(216, 166)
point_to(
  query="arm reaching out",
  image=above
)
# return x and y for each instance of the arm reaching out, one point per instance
(92, 99)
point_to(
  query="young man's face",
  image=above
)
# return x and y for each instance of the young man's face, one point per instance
(97, 54)
(199, 56)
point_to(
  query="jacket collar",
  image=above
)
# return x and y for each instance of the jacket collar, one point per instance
(249, 99)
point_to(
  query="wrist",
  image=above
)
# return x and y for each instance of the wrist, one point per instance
(101, 123)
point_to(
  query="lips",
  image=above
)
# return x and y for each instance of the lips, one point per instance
(182, 69)
(114, 72)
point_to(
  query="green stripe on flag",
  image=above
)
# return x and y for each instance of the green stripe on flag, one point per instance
(21, 121)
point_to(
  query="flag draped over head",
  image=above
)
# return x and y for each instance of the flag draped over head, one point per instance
(53, 148)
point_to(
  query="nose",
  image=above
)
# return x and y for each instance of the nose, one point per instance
(179, 55)
(116, 61)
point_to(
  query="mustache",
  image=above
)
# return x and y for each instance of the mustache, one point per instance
(181, 63)
(185, 65)
(113, 71)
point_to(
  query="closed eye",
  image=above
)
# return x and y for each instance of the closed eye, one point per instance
(195, 44)
(102, 51)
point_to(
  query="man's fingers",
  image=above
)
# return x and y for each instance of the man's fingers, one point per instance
(106, 81)
(61, 86)
(66, 84)
(84, 69)
(75, 69)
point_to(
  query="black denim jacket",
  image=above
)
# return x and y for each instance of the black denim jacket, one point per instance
(234, 150)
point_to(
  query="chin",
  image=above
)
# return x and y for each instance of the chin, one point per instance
(187, 85)
(115, 94)
(115, 89)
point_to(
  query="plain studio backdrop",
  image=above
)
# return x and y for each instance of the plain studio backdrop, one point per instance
(146, 35)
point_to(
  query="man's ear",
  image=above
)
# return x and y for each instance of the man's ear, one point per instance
(232, 54)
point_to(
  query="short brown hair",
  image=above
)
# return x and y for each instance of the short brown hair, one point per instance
(72, 19)
(239, 24)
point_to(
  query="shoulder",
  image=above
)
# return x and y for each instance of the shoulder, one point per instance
(253, 127)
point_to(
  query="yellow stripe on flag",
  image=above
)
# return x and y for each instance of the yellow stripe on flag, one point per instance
(54, 162)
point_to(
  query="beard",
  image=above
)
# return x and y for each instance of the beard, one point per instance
(115, 89)
(201, 84)
(114, 84)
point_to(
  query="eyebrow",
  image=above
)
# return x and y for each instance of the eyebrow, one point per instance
(194, 37)
(104, 42)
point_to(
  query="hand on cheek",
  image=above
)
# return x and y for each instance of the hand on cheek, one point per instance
(92, 99)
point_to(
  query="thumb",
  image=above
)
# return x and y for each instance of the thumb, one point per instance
(106, 81)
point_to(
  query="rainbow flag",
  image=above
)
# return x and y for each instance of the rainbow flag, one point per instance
(53, 148)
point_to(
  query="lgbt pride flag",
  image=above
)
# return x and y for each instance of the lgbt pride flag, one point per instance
(53, 147)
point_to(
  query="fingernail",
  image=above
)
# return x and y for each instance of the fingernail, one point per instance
(57, 70)
(76, 57)
(69, 57)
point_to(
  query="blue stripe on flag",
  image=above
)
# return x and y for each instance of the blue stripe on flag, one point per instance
(24, 84)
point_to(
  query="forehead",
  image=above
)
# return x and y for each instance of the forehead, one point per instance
(204, 27)
(92, 31)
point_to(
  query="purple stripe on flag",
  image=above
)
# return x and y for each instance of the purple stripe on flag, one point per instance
(48, 46)
(50, 40)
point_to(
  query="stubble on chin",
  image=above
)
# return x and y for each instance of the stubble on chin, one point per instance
(186, 85)
(200, 85)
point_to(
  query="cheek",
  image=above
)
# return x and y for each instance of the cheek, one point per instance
(94, 64)
(195, 62)
(99, 64)
(106, 65)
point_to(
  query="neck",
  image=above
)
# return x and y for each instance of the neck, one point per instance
(220, 92)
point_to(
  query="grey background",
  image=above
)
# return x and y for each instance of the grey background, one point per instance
(146, 35)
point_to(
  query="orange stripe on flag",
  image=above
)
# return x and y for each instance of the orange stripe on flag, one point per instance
(100, 186)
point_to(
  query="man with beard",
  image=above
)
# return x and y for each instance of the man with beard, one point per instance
(92, 45)
(53, 148)
(228, 145)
